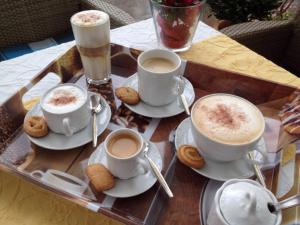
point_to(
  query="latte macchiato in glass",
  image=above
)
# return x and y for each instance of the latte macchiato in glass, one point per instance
(91, 30)
(227, 119)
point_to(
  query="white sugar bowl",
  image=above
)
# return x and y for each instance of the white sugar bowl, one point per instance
(243, 202)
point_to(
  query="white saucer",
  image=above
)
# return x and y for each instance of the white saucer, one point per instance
(133, 186)
(56, 141)
(207, 200)
(172, 109)
(215, 170)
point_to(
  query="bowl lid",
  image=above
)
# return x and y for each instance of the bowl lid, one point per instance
(246, 203)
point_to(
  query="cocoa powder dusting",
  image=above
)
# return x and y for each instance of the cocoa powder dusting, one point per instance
(63, 98)
(227, 116)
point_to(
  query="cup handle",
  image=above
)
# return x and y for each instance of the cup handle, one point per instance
(263, 152)
(67, 129)
(142, 166)
(181, 84)
(37, 173)
(183, 67)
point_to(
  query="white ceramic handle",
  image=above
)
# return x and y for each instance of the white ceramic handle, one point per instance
(182, 67)
(142, 166)
(180, 84)
(263, 152)
(67, 129)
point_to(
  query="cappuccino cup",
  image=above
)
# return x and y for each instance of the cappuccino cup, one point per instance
(123, 150)
(159, 77)
(66, 108)
(226, 127)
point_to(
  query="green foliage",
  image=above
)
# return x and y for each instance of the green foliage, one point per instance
(239, 11)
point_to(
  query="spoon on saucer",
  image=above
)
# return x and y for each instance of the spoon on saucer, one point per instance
(96, 107)
(285, 204)
(157, 172)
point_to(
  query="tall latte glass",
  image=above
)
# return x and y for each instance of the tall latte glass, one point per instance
(91, 30)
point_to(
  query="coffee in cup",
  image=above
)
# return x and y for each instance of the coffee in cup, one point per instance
(63, 99)
(159, 77)
(66, 108)
(123, 148)
(123, 145)
(225, 127)
(158, 65)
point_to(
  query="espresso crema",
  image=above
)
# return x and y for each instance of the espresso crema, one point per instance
(63, 99)
(123, 145)
(227, 119)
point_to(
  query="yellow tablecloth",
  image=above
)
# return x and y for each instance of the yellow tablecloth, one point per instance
(223, 52)
(22, 203)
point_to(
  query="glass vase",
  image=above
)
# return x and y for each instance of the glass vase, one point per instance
(175, 26)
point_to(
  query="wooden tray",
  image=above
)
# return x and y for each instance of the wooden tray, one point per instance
(20, 157)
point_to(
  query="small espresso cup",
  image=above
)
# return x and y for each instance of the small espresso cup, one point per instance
(67, 121)
(219, 151)
(126, 167)
(159, 88)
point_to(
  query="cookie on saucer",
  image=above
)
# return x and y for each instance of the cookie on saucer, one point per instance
(189, 156)
(128, 95)
(100, 177)
(35, 126)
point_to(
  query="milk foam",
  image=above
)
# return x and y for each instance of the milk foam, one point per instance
(227, 119)
(63, 99)
(89, 18)
(246, 203)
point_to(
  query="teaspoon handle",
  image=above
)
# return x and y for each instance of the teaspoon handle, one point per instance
(160, 177)
(288, 203)
(94, 130)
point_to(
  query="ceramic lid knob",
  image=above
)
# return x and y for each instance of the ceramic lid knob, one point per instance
(250, 202)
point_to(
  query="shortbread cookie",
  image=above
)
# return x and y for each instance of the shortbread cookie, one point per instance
(190, 156)
(100, 177)
(35, 126)
(128, 95)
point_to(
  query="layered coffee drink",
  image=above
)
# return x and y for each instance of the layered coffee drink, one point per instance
(158, 65)
(91, 30)
(227, 119)
(123, 145)
(64, 99)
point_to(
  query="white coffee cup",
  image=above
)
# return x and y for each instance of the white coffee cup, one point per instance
(224, 152)
(155, 88)
(125, 168)
(61, 180)
(68, 122)
(243, 201)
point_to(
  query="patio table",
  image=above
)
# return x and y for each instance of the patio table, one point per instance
(24, 203)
